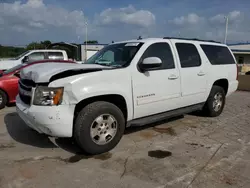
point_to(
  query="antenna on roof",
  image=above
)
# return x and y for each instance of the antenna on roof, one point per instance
(139, 38)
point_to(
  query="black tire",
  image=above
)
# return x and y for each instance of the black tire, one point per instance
(84, 121)
(4, 98)
(208, 108)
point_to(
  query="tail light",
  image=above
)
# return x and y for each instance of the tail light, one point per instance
(237, 73)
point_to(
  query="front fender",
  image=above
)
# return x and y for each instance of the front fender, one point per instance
(112, 82)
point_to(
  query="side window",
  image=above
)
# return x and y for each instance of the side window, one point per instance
(241, 60)
(162, 51)
(188, 54)
(55, 55)
(36, 56)
(218, 55)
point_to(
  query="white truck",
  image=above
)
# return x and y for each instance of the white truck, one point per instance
(126, 83)
(33, 55)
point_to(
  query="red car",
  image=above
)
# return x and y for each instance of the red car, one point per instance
(9, 81)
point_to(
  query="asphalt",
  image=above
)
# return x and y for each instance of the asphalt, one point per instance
(190, 151)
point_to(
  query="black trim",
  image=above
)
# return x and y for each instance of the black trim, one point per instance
(165, 115)
(194, 39)
(69, 73)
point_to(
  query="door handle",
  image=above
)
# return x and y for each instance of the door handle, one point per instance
(172, 77)
(201, 73)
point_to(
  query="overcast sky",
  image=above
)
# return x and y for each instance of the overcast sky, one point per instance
(22, 22)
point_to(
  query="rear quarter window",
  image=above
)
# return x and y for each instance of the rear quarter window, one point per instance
(218, 55)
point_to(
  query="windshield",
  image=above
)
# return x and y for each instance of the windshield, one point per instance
(115, 55)
(21, 55)
(13, 69)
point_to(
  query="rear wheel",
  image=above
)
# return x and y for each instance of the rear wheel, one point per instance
(215, 102)
(99, 127)
(3, 99)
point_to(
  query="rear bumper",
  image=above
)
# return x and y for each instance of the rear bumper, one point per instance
(233, 86)
(56, 121)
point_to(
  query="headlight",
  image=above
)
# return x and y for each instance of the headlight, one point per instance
(48, 96)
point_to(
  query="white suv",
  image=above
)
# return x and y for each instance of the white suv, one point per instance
(126, 83)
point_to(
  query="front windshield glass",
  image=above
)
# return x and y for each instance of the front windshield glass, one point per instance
(21, 55)
(115, 55)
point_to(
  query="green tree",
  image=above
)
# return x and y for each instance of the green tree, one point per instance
(91, 42)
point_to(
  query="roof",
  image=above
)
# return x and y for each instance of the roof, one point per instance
(46, 50)
(172, 38)
(241, 43)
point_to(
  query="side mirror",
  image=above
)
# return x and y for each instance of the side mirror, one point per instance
(17, 74)
(150, 63)
(25, 59)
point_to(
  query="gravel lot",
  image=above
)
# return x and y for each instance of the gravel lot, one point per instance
(189, 151)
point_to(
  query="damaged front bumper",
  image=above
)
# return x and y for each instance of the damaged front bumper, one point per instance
(56, 121)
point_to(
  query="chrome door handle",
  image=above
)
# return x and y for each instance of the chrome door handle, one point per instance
(201, 73)
(172, 77)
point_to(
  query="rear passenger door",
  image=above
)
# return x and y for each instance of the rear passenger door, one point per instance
(193, 73)
(158, 90)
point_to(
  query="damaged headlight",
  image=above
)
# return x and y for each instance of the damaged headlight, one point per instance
(48, 96)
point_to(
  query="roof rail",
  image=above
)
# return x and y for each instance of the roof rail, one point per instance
(191, 39)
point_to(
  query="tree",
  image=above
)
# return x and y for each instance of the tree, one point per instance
(46, 43)
(41, 45)
(91, 42)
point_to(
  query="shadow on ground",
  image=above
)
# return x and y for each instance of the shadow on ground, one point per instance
(134, 128)
(21, 133)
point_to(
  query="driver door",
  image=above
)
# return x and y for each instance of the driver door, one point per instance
(157, 90)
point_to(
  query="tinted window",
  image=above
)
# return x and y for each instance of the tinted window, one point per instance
(55, 55)
(36, 56)
(218, 55)
(115, 55)
(188, 55)
(162, 51)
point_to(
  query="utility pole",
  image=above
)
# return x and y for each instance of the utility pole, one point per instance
(225, 40)
(86, 39)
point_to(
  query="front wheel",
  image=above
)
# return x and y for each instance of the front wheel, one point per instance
(99, 127)
(3, 99)
(215, 102)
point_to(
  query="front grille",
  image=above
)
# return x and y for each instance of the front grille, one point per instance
(25, 88)
(28, 83)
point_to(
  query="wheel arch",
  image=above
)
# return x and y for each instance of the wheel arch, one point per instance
(222, 83)
(115, 99)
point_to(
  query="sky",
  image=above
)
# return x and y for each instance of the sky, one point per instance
(25, 21)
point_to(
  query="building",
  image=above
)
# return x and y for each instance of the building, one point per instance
(78, 52)
(241, 52)
(90, 49)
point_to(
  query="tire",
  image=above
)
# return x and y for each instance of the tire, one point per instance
(87, 120)
(212, 107)
(3, 99)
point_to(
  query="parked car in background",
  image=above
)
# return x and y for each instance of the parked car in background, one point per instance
(33, 55)
(126, 83)
(9, 80)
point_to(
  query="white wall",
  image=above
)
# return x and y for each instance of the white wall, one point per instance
(240, 47)
(245, 56)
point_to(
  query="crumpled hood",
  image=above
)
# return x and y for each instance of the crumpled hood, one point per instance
(41, 73)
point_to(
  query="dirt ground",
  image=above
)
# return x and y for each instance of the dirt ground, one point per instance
(190, 151)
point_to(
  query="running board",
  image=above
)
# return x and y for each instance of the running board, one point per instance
(165, 115)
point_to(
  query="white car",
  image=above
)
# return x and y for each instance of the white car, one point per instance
(126, 83)
(33, 55)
